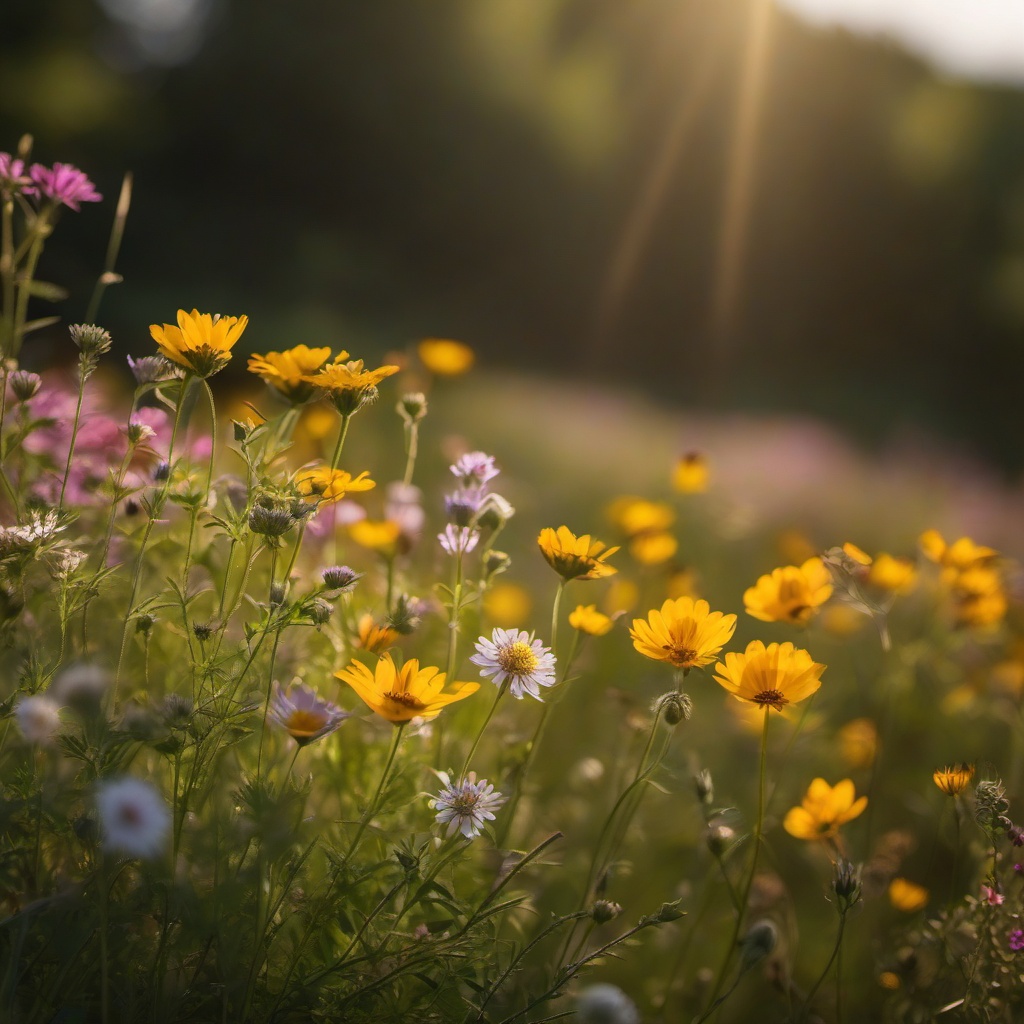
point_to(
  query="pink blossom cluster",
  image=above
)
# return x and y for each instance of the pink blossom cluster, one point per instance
(65, 184)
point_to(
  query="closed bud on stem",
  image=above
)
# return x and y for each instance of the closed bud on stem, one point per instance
(758, 943)
(719, 838)
(277, 594)
(24, 384)
(320, 611)
(846, 885)
(412, 407)
(673, 707)
(496, 562)
(91, 340)
(270, 522)
(604, 911)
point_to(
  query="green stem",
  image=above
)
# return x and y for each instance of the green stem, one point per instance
(372, 806)
(346, 418)
(412, 433)
(824, 974)
(479, 735)
(107, 276)
(40, 231)
(745, 897)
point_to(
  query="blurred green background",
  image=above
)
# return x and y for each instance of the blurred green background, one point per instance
(715, 202)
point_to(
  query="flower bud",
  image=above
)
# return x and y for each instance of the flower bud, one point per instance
(269, 522)
(277, 594)
(494, 512)
(90, 339)
(758, 943)
(673, 707)
(719, 838)
(202, 631)
(341, 578)
(139, 432)
(604, 911)
(24, 384)
(162, 472)
(846, 885)
(412, 407)
(495, 562)
(144, 623)
(320, 611)
(150, 369)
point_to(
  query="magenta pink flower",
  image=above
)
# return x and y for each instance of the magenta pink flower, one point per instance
(12, 174)
(1017, 940)
(64, 184)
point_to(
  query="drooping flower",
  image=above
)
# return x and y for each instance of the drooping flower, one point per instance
(587, 619)
(38, 718)
(348, 385)
(691, 474)
(575, 558)
(458, 540)
(65, 184)
(399, 694)
(791, 594)
(445, 357)
(201, 342)
(954, 778)
(323, 484)
(287, 372)
(907, 896)
(823, 810)
(134, 819)
(303, 714)
(513, 656)
(771, 676)
(465, 806)
(685, 633)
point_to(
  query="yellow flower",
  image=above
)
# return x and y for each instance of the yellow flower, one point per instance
(445, 357)
(380, 535)
(653, 548)
(907, 896)
(401, 694)
(897, 575)
(374, 638)
(771, 676)
(321, 483)
(889, 980)
(587, 619)
(622, 596)
(575, 558)
(791, 594)
(961, 554)
(683, 583)
(823, 809)
(348, 384)
(507, 604)
(954, 778)
(634, 516)
(854, 552)
(858, 742)
(286, 372)
(201, 342)
(685, 633)
(691, 473)
(978, 595)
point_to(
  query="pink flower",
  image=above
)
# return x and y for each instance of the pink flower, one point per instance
(991, 896)
(12, 174)
(1017, 940)
(64, 184)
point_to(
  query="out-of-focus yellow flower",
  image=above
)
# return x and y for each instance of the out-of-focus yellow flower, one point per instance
(575, 558)
(1008, 677)
(445, 357)
(380, 535)
(401, 694)
(507, 605)
(858, 742)
(907, 896)
(622, 596)
(691, 474)
(374, 638)
(954, 778)
(897, 575)
(315, 423)
(889, 980)
(684, 632)
(795, 546)
(961, 554)
(854, 552)
(683, 583)
(842, 620)
(823, 810)
(287, 372)
(790, 594)
(771, 676)
(959, 699)
(323, 484)
(348, 385)
(978, 596)
(653, 548)
(634, 515)
(587, 619)
(201, 342)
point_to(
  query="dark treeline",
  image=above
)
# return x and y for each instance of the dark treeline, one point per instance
(549, 180)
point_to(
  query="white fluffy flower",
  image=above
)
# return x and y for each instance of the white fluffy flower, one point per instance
(38, 718)
(134, 818)
(464, 806)
(512, 655)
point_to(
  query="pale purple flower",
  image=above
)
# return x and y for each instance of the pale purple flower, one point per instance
(513, 656)
(466, 805)
(64, 184)
(303, 714)
(463, 504)
(474, 469)
(458, 540)
(404, 506)
(133, 816)
(38, 718)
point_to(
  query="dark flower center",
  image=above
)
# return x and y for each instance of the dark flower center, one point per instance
(771, 699)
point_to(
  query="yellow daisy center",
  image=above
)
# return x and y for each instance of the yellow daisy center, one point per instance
(304, 723)
(771, 699)
(517, 658)
(405, 699)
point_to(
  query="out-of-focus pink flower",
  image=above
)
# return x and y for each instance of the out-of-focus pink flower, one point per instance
(64, 184)
(12, 175)
(991, 896)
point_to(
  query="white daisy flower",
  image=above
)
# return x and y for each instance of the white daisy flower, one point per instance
(465, 806)
(514, 656)
(38, 718)
(134, 818)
